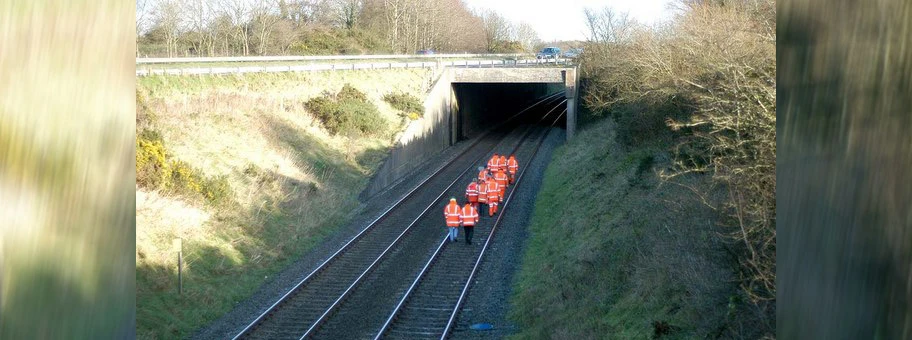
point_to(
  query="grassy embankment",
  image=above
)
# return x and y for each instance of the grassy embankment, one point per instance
(248, 178)
(615, 252)
(659, 220)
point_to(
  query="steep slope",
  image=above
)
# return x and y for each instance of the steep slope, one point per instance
(616, 252)
(253, 180)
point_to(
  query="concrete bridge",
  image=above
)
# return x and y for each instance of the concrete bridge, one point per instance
(464, 102)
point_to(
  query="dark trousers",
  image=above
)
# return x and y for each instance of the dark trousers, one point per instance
(482, 208)
(468, 233)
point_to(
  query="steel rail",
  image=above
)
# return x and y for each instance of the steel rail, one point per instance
(434, 257)
(383, 215)
(468, 284)
(380, 257)
(367, 271)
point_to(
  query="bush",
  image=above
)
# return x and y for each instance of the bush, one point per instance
(347, 112)
(152, 166)
(216, 190)
(410, 105)
(349, 92)
(156, 171)
(338, 41)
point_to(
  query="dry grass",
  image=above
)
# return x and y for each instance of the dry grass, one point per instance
(605, 265)
(292, 182)
(224, 124)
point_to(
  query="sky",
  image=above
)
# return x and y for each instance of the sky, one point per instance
(564, 20)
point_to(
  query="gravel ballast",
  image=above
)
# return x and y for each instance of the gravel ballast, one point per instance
(488, 299)
(273, 288)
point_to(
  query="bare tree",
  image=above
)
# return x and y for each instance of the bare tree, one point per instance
(497, 29)
(394, 12)
(142, 16)
(199, 14)
(526, 35)
(169, 18)
(608, 26)
(285, 35)
(265, 16)
(301, 12)
(239, 12)
(345, 13)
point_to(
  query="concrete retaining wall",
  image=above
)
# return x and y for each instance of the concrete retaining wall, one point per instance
(422, 138)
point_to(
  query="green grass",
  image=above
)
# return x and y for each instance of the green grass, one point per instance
(244, 249)
(611, 251)
(290, 184)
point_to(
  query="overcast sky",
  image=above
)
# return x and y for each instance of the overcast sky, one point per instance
(563, 19)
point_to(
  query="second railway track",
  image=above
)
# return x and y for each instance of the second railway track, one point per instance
(428, 308)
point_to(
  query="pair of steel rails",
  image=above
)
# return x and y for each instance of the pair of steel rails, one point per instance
(323, 269)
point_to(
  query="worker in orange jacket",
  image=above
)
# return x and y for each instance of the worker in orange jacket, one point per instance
(469, 218)
(482, 196)
(482, 174)
(493, 196)
(501, 178)
(472, 193)
(512, 167)
(494, 163)
(502, 163)
(453, 217)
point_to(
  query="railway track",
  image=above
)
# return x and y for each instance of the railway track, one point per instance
(388, 239)
(429, 307)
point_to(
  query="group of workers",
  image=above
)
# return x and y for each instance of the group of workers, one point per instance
(485, 192)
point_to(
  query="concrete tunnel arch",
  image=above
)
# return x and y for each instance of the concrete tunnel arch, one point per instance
(462, 103)
(495, 93)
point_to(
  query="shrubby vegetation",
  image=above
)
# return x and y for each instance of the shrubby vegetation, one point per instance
(157, 170)
(411, 106)
(325, 41)
(692, 102)
(347, 112)
(709, 75)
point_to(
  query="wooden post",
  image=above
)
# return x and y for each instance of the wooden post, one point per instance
(176, 246)
(180, 277)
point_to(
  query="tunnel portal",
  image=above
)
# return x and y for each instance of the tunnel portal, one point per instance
(480, 106)
(464, 102)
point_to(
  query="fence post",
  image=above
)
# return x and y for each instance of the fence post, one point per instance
(178, 247)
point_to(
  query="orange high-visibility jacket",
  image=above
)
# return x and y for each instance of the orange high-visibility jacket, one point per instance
(469, 216)
(512, 165)
(502, 163)
(483, 175)
(451, 212)
(482, 192)
(493, 163)
(493, 191)
(501, 178)
(472, 192)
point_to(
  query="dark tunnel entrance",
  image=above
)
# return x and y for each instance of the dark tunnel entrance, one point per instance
(480, 106)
